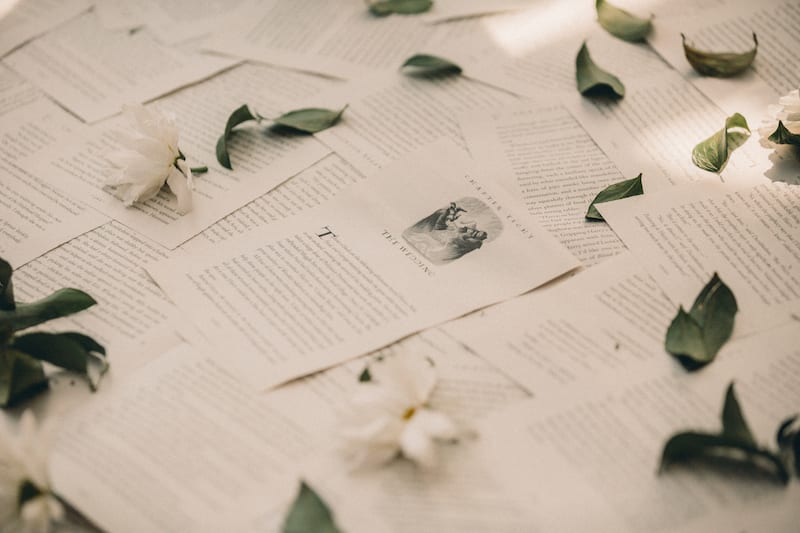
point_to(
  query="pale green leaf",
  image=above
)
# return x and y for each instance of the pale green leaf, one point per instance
(621, 23)
(240, 115)
(735, 445)
(61, 303)
(712, 153)
(592, 79)
(615, 191)
(383, 8)
(309, 514)
(782, 135)
(21, 376)
(719, 64)
(310, 120)
(428, 64)
(694, 338)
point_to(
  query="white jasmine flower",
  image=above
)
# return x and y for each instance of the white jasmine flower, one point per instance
(787, 111)
(390, 414)
(150, 159)
(23, 463)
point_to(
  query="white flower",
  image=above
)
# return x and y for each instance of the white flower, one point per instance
(150, 159)
(390, 414)
(787, 111)
(23, 461)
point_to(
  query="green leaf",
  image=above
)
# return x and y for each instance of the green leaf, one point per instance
(615, 191)
(428, 64)
(240, 115)
(712, 153)
(734, 425)
(71, 351)
(735, 444)
(594, 80)
(781, 135)
(309, 514)
(310, 120)
(6, 287)
(701, 446)
(21, 376)
(401, 7)
(61, 303)
(719, 64)
(694, 338)
(26, 492)
(789, 442)
(621, 23)
(365, 375)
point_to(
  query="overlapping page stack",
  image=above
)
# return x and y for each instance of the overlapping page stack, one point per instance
(442, 216)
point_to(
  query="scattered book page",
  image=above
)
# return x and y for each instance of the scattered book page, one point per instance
(601, 445)
(93, 72)
(747, 234)
(171, 21)
(262, 158)
(730, 28)
(408, 248)
(22, 21)
(340, 39)
(544, 158)
(605, 320)
(34, 216)
(445, 10)
(532, 52)
(112, 467)
(108, 263)
(390, 115)
(654, 129)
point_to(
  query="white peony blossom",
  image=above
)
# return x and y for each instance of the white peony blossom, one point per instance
(390, 414)
(23, 462)
(787, 111)
(151, 158)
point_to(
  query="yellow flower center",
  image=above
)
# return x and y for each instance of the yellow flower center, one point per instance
(409, 413)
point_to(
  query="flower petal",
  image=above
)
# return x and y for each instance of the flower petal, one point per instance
(418, 446)
(180, 188)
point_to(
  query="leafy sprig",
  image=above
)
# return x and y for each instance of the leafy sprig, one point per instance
(734, 444)
(21, 356)
(307, 120)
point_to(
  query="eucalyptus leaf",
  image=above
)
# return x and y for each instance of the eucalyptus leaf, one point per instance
(782, 135)
(712, 153)
(21, 376)
(310, 120)
(734, 444)
(615, 191)
(621, 23)
(383, 8)
(239, 116)
(592, 79)
(309, 514)
(694, 338)
(6, 287)
(428, 64)
(61, 303)
(719, 64)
